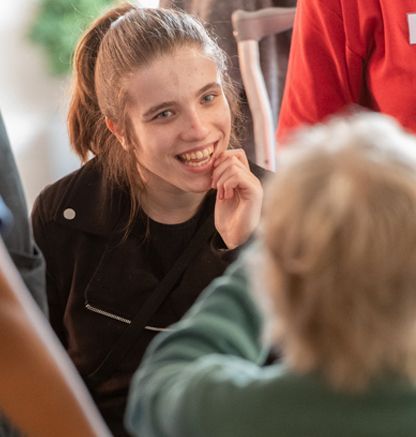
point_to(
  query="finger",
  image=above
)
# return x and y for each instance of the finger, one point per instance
(229, 165)
(246, 183)
(229, 186)
(229, 182)
(220, 192)
(240, 154)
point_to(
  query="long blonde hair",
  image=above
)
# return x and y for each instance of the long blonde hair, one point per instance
(339, 230)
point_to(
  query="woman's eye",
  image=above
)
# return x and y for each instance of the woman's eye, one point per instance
(164, 114)
(208, 98)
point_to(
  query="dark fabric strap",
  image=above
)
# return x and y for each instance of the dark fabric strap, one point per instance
(143, 316)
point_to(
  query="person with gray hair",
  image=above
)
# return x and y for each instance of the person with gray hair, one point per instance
(331, 282)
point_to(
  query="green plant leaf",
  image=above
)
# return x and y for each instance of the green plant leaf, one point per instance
(58, 25)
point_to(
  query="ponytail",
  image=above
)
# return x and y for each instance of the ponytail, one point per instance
(86, 122)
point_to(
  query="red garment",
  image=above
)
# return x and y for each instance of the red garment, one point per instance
(350, 51)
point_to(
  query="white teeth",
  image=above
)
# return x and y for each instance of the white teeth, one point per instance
(198, 163)
(198, 158)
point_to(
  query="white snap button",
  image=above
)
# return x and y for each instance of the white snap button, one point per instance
(69, 214)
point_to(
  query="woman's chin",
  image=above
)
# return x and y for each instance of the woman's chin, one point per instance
(201, 184)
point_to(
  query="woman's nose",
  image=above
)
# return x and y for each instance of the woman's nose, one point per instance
(194, 127)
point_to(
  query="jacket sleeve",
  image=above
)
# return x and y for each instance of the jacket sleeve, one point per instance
(19, 241)
(325, 75)
(177, 383)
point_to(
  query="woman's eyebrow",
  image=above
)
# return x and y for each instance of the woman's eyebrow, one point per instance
(157, 107)
(207, 87)
(163, 105)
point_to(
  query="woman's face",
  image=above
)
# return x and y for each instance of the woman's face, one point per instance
(181, 120)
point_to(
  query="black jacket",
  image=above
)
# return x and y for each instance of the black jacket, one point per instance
(97, 281)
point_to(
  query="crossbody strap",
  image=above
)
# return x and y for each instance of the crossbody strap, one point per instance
(145, 313)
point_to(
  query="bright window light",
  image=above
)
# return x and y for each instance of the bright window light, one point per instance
(148, 3)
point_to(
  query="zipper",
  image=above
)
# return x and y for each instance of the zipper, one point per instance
(107, 314)
(154, 328)
(122, 319)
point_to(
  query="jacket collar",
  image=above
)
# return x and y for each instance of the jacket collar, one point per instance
(88, 203)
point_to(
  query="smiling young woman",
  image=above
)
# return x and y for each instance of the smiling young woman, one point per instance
(133, 237)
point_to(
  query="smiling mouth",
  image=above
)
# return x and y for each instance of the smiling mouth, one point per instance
(198, 158)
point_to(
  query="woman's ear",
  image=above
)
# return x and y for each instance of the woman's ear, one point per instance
(113, 127)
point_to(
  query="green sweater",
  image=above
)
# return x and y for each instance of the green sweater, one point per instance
(204, 379)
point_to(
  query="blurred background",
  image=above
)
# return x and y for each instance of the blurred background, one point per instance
(36, 40)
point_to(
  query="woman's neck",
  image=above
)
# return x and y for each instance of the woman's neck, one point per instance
(170, 206)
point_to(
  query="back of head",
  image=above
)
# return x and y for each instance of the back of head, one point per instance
(340, 236)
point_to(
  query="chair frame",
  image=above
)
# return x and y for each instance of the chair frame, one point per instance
(249, 29)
